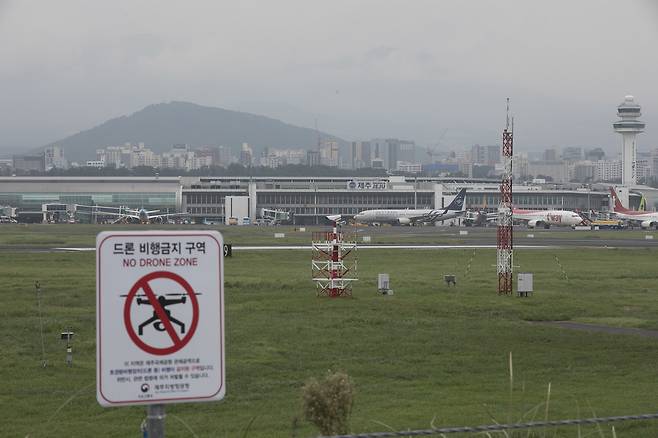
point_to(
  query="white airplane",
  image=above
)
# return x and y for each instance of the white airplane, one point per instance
(546, 218)
(7, 220)
(644, 218)
(408, 217)
(132, 214)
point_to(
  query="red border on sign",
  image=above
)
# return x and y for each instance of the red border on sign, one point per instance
(177, 342)
(221, 328)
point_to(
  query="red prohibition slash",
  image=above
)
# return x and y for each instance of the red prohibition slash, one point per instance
(177, 342)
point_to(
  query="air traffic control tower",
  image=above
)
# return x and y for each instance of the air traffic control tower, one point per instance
(629, 126)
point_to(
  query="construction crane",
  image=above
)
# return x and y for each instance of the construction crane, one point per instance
(432, 152)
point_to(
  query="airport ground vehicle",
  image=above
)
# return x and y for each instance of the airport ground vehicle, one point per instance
(607, 224)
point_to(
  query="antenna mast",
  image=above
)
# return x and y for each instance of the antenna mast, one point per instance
(504, 253)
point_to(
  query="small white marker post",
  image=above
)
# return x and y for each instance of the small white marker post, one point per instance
(44, 361)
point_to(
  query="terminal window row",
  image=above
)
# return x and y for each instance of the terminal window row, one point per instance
(405, 199)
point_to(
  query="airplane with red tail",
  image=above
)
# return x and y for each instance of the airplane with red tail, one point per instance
(644, 218)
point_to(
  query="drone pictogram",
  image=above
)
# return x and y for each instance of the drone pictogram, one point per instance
(155, 319)
(161, 319)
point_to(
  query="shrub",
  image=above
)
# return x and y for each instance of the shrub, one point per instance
(328, 402)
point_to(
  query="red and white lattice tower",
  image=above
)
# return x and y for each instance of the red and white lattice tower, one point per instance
(504, 256)
(333, 267)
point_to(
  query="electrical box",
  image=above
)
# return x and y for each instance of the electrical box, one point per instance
(383, 282)
(524, 284)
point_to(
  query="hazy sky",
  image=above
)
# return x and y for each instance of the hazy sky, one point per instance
(376, 68)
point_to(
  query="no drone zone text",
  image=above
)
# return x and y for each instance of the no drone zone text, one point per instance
(182, 253)
(160, 262)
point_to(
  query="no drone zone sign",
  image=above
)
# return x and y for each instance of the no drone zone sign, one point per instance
(159, 317)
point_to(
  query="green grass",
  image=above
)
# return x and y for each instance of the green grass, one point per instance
(428, 351)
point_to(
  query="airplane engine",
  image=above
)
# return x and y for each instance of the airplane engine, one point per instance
(159, 220)
(538, 223)
(649, 224)
(404, 221)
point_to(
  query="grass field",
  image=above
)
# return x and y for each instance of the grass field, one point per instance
(427, 352)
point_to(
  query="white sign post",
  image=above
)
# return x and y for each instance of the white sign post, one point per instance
(159, 318)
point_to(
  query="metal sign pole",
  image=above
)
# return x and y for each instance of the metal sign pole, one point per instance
(155, 418)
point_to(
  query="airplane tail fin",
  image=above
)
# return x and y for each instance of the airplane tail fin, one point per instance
(619, 208)
(458, 204)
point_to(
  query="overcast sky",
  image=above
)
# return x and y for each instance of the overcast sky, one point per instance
(408, 69)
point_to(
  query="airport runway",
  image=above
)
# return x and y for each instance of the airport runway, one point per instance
(552, 238)
(437, 238)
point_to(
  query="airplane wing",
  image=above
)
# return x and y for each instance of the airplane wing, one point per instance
(111, 213)
(627, 217)
(156, 216)
(439, 215)
(432, 216)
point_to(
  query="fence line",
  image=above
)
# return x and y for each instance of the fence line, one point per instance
(497, 427)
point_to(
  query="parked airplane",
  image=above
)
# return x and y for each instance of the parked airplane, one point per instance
(644, 218)
(7, 220)
(546, 218)
(132, 214)
(408, 217)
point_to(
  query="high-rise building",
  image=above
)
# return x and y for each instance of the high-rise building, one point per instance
(571, 153)
(53, 157)
(643, 170)
(207, 154)
(653, 162)
(550, 154)
(360, 154)
(493, 155)
(379, 151)
(478, 154)
(143, 156)
(582, 171)
(313, 158)
(224, 156)
(330, 154)
(520, 168)
(629, 126)
(179, 157)
(608, 170)
(246, 155)
(595, 154)
(401, 151)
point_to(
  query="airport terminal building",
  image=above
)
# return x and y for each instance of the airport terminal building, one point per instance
(307, 199)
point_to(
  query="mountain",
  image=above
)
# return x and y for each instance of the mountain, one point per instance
(162, 125)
